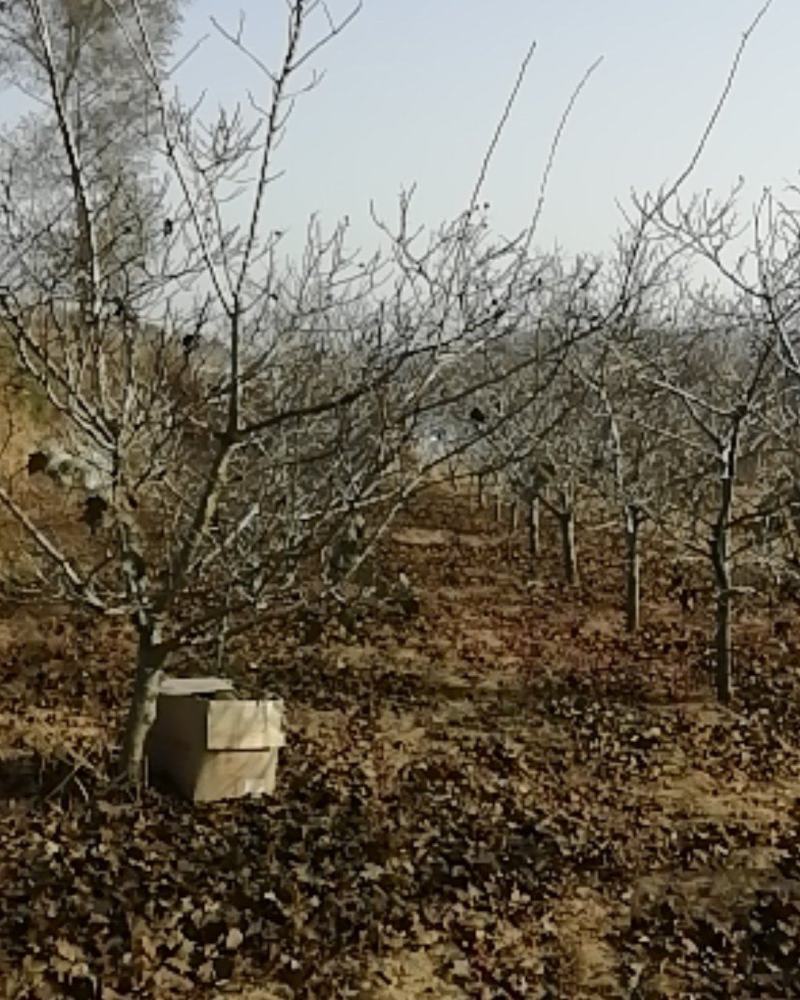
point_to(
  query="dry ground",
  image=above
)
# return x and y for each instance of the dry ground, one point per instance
(487, 792)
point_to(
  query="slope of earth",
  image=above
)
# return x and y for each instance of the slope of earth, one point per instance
(489, 791)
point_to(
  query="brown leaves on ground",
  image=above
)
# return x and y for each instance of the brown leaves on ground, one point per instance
(488, 792)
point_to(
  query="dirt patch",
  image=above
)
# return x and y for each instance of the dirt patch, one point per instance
(584, 922)
(496, 793)
(432, 537)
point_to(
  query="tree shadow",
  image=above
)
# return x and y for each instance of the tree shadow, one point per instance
(36, 777)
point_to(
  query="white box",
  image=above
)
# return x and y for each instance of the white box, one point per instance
(215, 748)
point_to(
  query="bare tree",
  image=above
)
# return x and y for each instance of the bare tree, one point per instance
(718, 369)
(92, 109)
(630, 467)
(243, 422)
(545, 427)
(182, 413)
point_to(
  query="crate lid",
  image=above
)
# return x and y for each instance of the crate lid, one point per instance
(182, 687)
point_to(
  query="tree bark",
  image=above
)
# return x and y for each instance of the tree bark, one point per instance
(721, 561)
(566, 520)
(150, 657)
(633, 566)
(534, 534)
(479, 490)
(497, 506)
(724, 646)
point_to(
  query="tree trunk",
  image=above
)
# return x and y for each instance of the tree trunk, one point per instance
(150, 658)
(513, 516)
(633, 581)
(724, 646)
(534, 534)
(566, 519)
(479, 491)
(721, 561)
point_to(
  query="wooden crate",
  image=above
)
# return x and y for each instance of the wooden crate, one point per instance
(212, 745)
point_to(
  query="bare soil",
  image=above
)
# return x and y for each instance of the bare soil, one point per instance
(489, 791)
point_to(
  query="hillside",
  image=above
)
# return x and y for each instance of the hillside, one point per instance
(488, 791)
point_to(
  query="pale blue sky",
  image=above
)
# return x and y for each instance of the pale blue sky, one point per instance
(413, 90)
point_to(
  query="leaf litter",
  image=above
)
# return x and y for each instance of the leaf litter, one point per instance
(488, 792)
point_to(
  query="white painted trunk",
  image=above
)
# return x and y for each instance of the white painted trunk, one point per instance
(633, 571)
(566, 520)
(534, 531)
